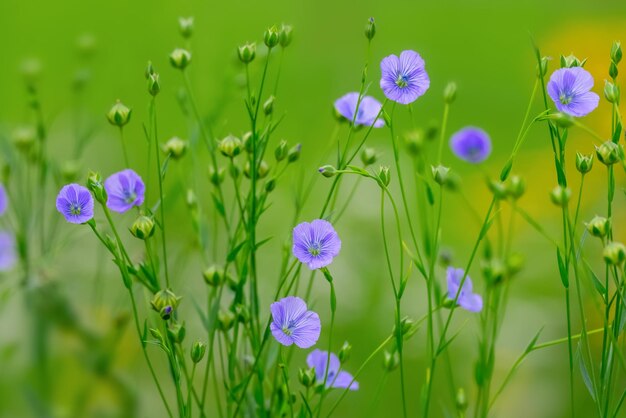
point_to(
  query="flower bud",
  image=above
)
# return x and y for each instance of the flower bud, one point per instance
(542, 67)
(281, 151)
(611, 92)
(516, 187)
(584, 163)
(262, 170)
(271, 37)
(391, 360)
(234, 171)
(609, 153)
(69, 171)
(440, 174)
(164, 299)
(461, 400)
(185, 26)
(616, 52)
(344, 353)
(175, 147)
(225, 320)
(560, 195)
(270, 184)
(217, 177)
(614, 253)
(498, 188)
(384, 176)
(370, 29)
(494, 271)
(191, 200)
(119, 115)
(246, 139)
(307, 377)
(294, 153)
(197, 352)
(180, 58)
(285, 35)
(613, 72)
(571, 61)
(177, 332)
(414, 141)
(24, 138)
(86, 45)
(514, 264)
(449, 93)
(214, 276)
(247, 52)
(268, 106)
(563, 120)
(327, 170)
(368, 156)
(242, 313)
(230, 146)
(154, 87)
(149, 70)
(142, 228)
(598, 226)
(95, 185)
(31, 70)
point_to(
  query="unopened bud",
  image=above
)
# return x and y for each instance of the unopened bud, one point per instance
(391, 360)
(616, 52)
(368, 156)
(142, 228)
(119, 115)
(230, 146)
(268, 106)
(154, 86)
(614, 253)
(216, 177)
(327, 170)
(197, 352)
(516, 187)
(285, 35)
(164, 299)
(611, 92)
(440, 174)
(294, 153)
(560, 195)
(598, 226)
(247, 52)
(307, 377)
(185, 26)
(225, 320)
(584, 163)
(95, 185)
(280, 153)
(384, 176)
(370, 29)
(414, 141)
(175, 147)
(609, 153)
(180, 58)
(271, 37)
(214, 276)
(177, 332)
(449, 93)
(344, 353)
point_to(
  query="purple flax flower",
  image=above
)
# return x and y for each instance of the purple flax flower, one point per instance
(292, 323)
(404, 78)
(315, 244)
(318, 359)
(4, 200)
(467, 299)
(7, 251)
(471, 144)
(75, 203)
(570, 90)
(125, 189)
(369, 108)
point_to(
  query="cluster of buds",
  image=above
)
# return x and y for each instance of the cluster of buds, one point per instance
(616, 57)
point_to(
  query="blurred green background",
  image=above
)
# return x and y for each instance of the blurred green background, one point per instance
(485, 46)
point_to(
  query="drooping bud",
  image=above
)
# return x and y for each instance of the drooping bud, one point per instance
(185, 26)
(180, 58)
(560, 195)
(175, 147)
(294, 153)
(598, 226)
(370, 29)
(271, 37)
(143, 227)
(230, 146)
(614, 253)
(391, 360)
(584, 163)
(165, 303)
(327, 170)
(119, 115)
(247, 52)
(449, 93)
(285, 35)
(368, 156)
(197, 351)
(609, 153)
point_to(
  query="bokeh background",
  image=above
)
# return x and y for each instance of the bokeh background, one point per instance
(484, 46)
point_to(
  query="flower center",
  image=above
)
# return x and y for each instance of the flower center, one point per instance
(130, 197)
(402, 81)
(75, 209)
(315, 249)
(288, 328)
(565, 98)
